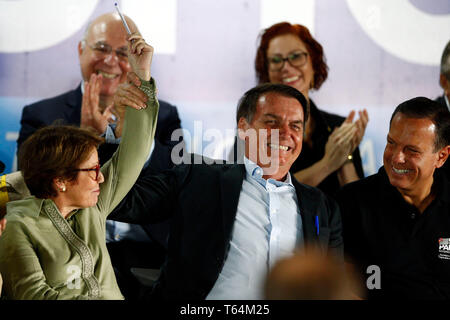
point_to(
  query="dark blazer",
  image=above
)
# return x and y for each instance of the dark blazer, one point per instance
(441, 101)
(202, 202)
(66, 109)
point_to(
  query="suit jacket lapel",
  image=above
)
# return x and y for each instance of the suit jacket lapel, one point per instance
(306, 206)
(231, 185)
(72, 112)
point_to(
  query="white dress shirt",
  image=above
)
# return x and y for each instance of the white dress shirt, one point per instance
(268, 226)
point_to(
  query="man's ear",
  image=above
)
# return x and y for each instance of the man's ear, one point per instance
(443, 156)
(243, 126)
(443, 82)
(81, 46)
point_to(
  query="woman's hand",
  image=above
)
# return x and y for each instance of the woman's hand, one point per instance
(360, 124)
(128, 94)
(140, 56)
(339, 146)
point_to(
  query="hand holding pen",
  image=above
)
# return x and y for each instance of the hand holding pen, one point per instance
(140, 54)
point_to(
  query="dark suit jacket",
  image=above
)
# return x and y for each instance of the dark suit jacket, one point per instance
(202, 202)
(66, 109)
(441, 101)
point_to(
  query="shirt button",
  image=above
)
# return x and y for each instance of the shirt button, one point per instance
(273, 210)
(413, 215)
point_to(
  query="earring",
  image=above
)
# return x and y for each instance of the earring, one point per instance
(63, 189)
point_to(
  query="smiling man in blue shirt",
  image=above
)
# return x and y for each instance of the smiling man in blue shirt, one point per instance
(232, 222)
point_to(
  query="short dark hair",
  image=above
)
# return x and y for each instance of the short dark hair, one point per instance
(314, 48)
(54, 152)
(424, 108)
(247, 104)
(445, 61)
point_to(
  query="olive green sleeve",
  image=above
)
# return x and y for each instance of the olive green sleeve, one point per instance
(124, 167)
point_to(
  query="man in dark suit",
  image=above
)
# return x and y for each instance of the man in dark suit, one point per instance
(444, 77)
(232, 222)
(104, 65)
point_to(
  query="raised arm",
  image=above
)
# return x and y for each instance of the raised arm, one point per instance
(123, 169)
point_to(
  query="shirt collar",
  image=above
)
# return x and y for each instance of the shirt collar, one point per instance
(447, 102)
(440, 184)
(256, 172)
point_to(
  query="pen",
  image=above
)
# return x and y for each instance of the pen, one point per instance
(317, 224)
(123, 19)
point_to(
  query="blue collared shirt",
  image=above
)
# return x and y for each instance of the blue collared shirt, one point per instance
(268, 226)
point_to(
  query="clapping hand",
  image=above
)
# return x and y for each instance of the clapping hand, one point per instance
(339, 146)
(91, 115)
(360, 124)
(128, 94)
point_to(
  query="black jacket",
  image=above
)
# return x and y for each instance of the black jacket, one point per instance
(66, 109)
(380, 228)
(202, 201)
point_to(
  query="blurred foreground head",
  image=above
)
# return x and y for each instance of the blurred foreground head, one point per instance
(309, 275)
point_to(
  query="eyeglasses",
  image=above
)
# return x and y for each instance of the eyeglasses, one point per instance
(296, 59)
(96, 169)
(104, 49)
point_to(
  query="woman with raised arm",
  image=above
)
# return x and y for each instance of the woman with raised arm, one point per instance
(54, 244)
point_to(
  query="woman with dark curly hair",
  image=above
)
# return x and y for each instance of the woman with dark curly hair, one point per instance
(54, 245)
(288, 54)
